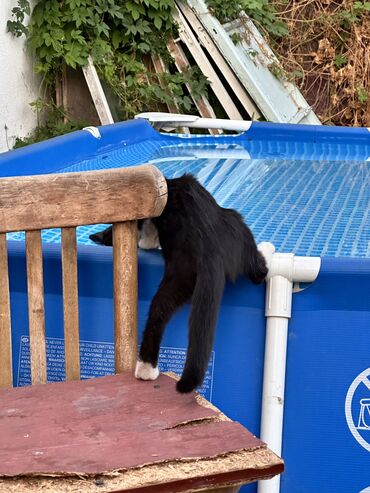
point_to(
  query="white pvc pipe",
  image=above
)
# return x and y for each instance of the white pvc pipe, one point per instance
(273, 393)
(193, 121)
(273, 385)
(284, 270)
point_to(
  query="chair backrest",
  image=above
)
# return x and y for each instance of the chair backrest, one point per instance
(31, 203)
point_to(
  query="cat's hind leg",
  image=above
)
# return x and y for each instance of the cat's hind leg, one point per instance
(174, 290)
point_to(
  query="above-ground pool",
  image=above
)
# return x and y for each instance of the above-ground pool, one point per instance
(307, 191)
(304, 188)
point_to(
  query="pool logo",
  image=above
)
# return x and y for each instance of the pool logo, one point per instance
(357, 409)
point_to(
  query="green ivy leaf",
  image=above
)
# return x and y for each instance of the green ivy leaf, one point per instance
(144, 47)
(158, 22)
(116, 39)
(135, 14)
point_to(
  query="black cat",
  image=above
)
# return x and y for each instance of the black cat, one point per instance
(203, 245)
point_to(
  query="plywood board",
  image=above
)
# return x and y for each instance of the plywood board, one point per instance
(120, 425)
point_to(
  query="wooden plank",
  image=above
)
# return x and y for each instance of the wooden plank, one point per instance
(251, 60)
(72, 93)
(230, 489)
(70, 304)
(97, 93)
(220, 61)
(72, 199)
(160, 68)
(36, 312)
(187, 37)
(182, 64)
(166, 478)
(6, 371)
(125, 295)
(74, 424)
(61, 90)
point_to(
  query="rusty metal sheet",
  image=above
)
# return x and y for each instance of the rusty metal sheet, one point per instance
(109, 423)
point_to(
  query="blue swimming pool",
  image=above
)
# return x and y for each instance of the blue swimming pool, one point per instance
(307, 198)
(304, 188)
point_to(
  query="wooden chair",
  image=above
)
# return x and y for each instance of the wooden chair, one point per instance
(113, 433)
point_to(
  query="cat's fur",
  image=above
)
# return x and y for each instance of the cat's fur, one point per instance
(203, 245)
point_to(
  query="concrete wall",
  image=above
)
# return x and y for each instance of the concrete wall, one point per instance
(19, 86)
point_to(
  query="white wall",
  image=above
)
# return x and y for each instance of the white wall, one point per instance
(19, 86)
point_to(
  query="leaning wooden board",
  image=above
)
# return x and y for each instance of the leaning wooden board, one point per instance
(74, 439)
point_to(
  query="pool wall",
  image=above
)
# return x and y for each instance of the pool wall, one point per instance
(328, 348)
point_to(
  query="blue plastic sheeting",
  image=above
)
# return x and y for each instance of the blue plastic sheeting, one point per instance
(328, 348)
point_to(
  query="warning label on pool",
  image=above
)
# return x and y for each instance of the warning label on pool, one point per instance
(173, 359)
(97, 359)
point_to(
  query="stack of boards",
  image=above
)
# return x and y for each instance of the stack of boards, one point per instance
(242, 74)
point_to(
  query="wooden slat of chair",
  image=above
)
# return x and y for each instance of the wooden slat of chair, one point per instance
(125, 295)
(36, 311)
(32, 203)
(6, 372)
(74, 199)
(70, 304)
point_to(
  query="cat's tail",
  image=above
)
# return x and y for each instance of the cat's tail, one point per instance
(203, 318)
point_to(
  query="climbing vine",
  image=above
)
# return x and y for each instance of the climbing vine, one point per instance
(52, 121)
(121, 35)
(323, 45)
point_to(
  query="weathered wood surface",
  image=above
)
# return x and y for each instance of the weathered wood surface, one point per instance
(231, 489)
(125, 295)
(207, 42)
(160, 68)
(182, 64)
(187, 36)
(36, 310)
(97, 93)
(6, 372)
(118, 423)
(70, 304)
(72, 93)
(73, 199)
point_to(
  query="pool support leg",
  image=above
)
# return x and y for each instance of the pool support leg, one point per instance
(285, 269)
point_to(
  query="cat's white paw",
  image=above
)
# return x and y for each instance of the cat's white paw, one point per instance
(145, 371)
(267, 249)
(148, 236)
(148, 243)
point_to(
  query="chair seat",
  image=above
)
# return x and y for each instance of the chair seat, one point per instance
(117, 433)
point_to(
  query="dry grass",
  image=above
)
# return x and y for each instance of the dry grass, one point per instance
(328, 51)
